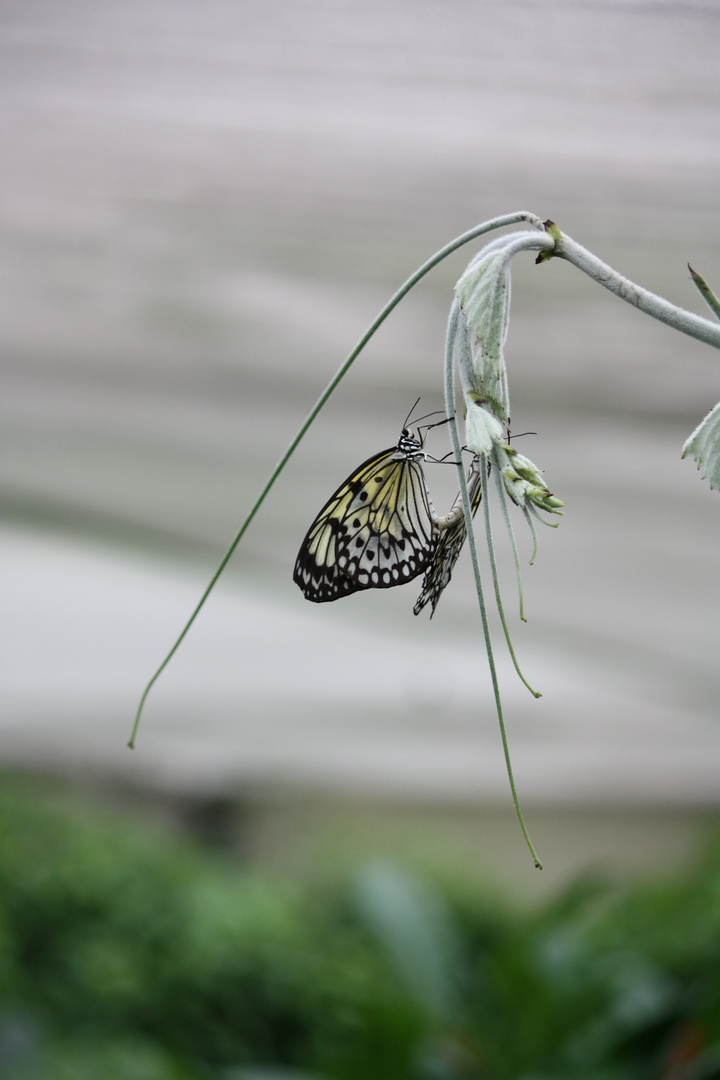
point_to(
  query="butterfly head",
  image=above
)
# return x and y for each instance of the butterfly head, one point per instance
(409, 446)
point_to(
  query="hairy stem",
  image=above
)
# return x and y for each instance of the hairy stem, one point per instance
(649, 303)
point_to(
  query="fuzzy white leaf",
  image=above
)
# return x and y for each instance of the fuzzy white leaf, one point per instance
(704, 446)
(484, 295)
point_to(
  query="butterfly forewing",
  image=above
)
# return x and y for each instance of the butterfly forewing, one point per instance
(316, 569)
(376, 530)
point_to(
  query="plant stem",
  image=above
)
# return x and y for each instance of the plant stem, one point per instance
(649, 303)
(455, 440)
(493, 568)
(499, 487)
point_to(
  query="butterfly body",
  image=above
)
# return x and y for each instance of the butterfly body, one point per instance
(374, 532)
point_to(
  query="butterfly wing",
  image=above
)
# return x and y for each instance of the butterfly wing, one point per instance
(447, 550)
(375, 531)
(386, 538)
(316, 567)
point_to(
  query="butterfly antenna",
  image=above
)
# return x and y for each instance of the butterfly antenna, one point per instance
(435, 412)
(422, 431)
(407, 418)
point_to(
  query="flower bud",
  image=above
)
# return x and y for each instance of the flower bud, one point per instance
(523, 481)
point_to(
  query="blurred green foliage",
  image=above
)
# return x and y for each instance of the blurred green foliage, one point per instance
(129, 953)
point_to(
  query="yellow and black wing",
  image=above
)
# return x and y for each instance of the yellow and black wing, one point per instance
(376, 531)
(449, 546)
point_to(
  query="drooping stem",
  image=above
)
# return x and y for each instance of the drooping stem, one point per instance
(535, 514)
(651, 304)
(493, 568)
(465, 238)
(511, 534)
(455, 441)
(533, 532)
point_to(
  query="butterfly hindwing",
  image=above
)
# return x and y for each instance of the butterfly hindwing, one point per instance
(376, 531)
(448, 548)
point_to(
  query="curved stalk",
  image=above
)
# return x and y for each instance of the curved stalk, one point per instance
(493, 568)
(533, 531)
(511, 534)
(649, 303)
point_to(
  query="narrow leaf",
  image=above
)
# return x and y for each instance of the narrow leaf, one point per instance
(705, 291)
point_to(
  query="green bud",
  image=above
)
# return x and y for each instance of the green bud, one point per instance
(523, 481)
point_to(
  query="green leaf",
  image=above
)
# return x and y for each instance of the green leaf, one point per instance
(704, 446)
(419, 934)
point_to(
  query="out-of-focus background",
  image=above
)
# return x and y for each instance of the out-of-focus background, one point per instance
(205, 204)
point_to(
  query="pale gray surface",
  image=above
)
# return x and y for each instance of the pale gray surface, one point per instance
(264, 693)
(205, 204)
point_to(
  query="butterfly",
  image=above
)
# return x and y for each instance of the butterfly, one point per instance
(376, 531)
(452, 534)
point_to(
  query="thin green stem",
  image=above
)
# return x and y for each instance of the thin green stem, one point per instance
(533, 530)
(455, 441)
(493, 568)
(550, 524)
(465, 238)
(500, 488)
